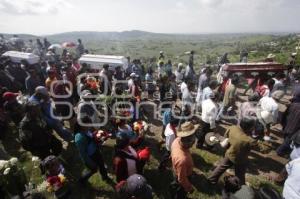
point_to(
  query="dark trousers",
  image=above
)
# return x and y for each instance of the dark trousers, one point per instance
(240, 171)
(284, 148)
(163, 132)
(202, 133)
(53, 148)
(177, 191)
(164, 159)
(98, 159)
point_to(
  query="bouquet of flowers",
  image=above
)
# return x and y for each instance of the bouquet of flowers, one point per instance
(54, 171)
(55, 182)
(140, 127)
(101, 136)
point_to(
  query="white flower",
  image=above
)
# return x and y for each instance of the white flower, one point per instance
(146, 126)
(3, 164)
(6, 171)
(35, 159)
(42, 187)
(13, 161)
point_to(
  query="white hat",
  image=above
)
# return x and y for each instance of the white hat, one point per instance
(133, 75)
(85, 93)
(278, 94)
(180, 65)
(270, 56)
(294, 54)
(187, 129)
(161, 52)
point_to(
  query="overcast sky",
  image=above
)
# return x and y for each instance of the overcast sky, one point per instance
(163, 16)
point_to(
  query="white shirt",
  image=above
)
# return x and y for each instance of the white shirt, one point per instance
(295, 153)
(291, 189)
(183, 86)
(170, 136)
(187, 98)
(270, 105)
(179, 76)
(209, 112)
(130, 83)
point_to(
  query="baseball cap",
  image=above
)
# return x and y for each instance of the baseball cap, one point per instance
(9, 96)
(41, 90)
(137, 186)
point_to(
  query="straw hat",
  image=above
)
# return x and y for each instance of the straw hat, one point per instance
(211, 139)
(270, 56)
(278, 94)
(187, 129)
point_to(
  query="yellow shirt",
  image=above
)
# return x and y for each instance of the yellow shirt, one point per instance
(48, 82)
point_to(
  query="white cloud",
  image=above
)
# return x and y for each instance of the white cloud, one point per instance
(33, 7)
(211, 3)
(170, 16)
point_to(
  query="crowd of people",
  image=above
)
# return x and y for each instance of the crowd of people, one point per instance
(36, 98)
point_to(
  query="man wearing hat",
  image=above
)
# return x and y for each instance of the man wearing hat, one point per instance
(270, 58)
(179, 73)
(292, 60)
(133, 76)
(41, 96)
(203, 82)
(160, 69)
(35, 135)
(86, 108)
(12, 107)
(240, 145)
(279, 79)
(268, 111)
(182, 161)
(209, 115)
(161, 57)
(105, 79)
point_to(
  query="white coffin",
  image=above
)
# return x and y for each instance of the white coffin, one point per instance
(16, 57)
(97, 61)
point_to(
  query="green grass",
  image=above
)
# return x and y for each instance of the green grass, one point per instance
(203, 160)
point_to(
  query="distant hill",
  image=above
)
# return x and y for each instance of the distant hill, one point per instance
(145, 45)
(92, 36)
(22, 36)
(100, 36)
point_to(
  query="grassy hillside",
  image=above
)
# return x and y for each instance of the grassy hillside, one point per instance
(208, 47)
(145, 45)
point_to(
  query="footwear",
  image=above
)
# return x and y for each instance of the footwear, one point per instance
(211, 182)
(267, 138)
